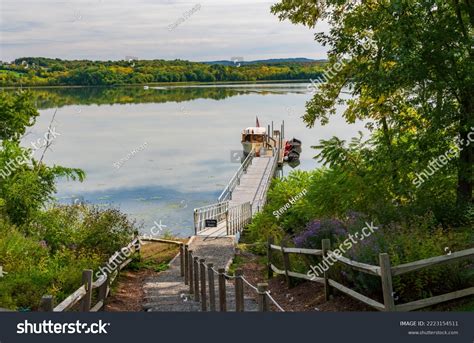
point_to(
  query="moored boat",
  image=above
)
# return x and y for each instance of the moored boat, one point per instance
(293, 156)
(295, 144)
(253, 138)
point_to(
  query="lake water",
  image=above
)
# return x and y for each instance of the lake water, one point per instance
(184, 139)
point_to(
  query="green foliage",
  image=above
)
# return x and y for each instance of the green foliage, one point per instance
(44, 251)
(16, 113)
(148, 264)
(408, 231)
(409, 66)
(60, 244)
(34, 270)
(26, 185)
(408, 242)
(83, 228)
(44, 71)
(265, 224)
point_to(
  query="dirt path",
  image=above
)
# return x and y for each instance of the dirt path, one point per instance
(128, 295)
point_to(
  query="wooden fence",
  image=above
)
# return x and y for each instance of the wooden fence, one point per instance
(201, 278)
(384, 270)
(84, 294)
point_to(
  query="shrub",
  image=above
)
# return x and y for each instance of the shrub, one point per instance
(409, 242)
(83, 228)
(47, 256)
(317, 230)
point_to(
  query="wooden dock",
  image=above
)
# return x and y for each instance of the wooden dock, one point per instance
(244, 195)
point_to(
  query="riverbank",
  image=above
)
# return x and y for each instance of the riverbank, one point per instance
(161, 84)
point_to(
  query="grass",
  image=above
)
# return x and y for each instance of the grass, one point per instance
(155, 256)
(237, 263)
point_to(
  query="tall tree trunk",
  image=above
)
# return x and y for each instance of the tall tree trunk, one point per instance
(466, 158)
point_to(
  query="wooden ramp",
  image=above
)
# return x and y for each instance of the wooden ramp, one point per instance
(244, 196)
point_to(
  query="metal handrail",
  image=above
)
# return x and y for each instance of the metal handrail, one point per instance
(262, 199)
(213, 211)
(227, 192)
(270, 162)
(238, 217)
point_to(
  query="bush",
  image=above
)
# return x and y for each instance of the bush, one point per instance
(408, 242)
(48, 255)
(83, 228)
(317, 230)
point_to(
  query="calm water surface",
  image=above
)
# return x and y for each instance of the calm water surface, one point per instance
(184, 138)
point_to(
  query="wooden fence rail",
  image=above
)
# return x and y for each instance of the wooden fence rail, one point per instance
(384, 270)
(83, 295)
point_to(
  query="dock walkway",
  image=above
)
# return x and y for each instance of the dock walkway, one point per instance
(217, 229)
(244, 196)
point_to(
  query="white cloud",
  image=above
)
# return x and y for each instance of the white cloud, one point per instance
(112, 29)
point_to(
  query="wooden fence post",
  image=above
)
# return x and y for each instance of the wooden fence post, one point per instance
(138, 248)
(203, 285)
(387, 287)
(104, 288)
(181, 259)
(222, 291)
(262, 297)
(196, 278)
(46, 304)
(326, 245)
(87, 282)
(286, 263)
(186, 264)
(191, 272)
(212, 287)
(239, 291)
(269, 257)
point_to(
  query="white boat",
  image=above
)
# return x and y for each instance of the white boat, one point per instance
(146, 87)
(253, 138)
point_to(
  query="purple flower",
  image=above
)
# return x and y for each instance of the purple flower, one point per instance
(317, 230)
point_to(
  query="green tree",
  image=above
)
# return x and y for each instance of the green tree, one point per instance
(26, 184)
(398, 56)
(16, 114)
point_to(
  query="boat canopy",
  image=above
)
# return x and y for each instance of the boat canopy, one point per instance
(255, 131)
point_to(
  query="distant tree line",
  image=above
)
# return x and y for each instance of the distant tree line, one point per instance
(39, 71)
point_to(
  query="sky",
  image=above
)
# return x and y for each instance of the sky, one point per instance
(202, 30)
